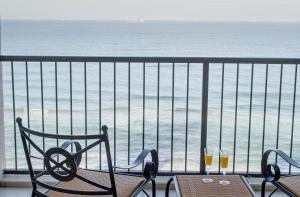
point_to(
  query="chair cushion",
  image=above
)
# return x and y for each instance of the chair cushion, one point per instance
(291, 183)
(125, 184)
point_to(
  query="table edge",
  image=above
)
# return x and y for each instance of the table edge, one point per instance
(178, 192)
(247, 185)
(177, 189)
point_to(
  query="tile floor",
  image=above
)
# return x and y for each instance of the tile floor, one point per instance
(20, 192)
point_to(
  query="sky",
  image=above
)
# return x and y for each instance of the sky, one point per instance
(139, 10)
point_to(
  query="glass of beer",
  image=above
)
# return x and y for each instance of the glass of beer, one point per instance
(224, 160)
(208, 157)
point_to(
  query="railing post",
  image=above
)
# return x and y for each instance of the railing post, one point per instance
(2, 145)
(205, 82)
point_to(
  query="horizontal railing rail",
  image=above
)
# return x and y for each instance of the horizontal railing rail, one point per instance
(177, 105)
(151, 59)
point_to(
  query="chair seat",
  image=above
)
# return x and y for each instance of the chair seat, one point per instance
(291, 183)
(125, 184)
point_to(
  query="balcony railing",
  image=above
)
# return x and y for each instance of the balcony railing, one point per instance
(177, 105)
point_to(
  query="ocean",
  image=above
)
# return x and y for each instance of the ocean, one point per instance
(172, 39)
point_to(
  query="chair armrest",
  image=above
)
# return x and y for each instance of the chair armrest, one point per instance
(150, 168)
(78, 148)
(266, 168)
(66, 144)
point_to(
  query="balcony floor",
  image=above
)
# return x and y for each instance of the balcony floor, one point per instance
(12, 192)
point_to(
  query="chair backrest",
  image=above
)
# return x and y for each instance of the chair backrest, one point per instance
(65, 170)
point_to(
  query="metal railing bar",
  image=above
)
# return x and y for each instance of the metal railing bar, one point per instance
(235, 114)
(144, 89)
(293, 114)
(279, 110)
(100, 109)
(172, 121)
(14, 112)
(129, 110)
(152, 59)
(27, 100)
(160, 173)
(203, 142)
(42, 104)
(187, 113)
(56, 104)
(157, 113)
(27, 97)
(221, 112)
(265, 110)
(115, 152)
(250, 117)
(71, 101)
(85, 111)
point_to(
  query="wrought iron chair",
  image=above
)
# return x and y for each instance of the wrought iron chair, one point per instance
(72, 180)
(289, 184)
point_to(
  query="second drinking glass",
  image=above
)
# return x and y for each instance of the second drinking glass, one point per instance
(224, 159)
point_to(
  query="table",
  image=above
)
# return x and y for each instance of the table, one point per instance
(193, 186)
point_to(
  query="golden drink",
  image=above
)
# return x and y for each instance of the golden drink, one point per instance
(208, 159)
(224, 158)
(224, 161)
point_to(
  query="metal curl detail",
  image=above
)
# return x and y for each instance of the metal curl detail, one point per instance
(149, 170)
(266, 169)
(269, 173)
(65, 174)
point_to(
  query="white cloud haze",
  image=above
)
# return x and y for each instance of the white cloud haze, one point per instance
(203, 10)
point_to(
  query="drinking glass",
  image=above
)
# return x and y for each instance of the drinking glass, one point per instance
(224, 159)
(208, 157)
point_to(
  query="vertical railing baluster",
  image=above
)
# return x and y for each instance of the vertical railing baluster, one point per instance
(157, 112)
(250, 118)
(71, 101)
(172, 121)
(42, 104)
(100, 109)
(14, 112)
(27, 101)
(279, 110)
(221, 113)
(293, 115)
(205, 83)
(85, 112)
(115, 152)
(265, 110)
(235, 115)
(143, 140)
(187, 113)
(56, 105)
(129, 105)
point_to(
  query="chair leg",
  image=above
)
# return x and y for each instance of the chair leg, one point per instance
(153, 188)
(168, 187)
(33, 193)
(263, 188)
